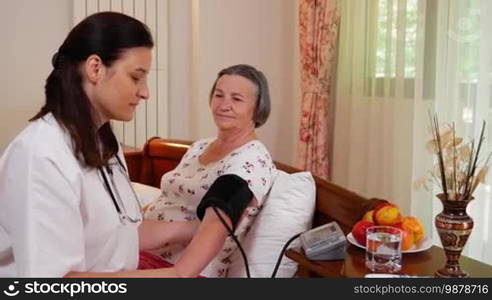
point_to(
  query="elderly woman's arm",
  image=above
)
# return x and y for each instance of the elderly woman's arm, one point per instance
(204, 246)
(206, 243)
(154, 234)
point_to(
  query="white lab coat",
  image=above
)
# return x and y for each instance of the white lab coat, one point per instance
(55, 214)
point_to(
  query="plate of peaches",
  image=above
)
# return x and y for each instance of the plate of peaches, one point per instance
(388, 214)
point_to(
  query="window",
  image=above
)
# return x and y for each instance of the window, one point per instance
(402, 35)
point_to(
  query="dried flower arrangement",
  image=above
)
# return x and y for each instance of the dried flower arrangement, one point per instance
(458, 170)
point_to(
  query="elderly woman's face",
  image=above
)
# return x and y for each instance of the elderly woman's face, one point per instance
(233, 102)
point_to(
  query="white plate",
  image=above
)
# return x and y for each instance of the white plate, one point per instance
(425, 244)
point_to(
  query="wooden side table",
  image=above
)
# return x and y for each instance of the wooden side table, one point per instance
(423, 263)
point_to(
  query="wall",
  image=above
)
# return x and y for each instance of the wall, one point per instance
(260, 33)
(203, 37)
(31, 32)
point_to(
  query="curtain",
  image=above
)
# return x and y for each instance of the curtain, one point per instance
(380, 104)
(318, 33)
(463, 96)
(399, 60)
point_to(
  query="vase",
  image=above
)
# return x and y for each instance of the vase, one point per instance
(454, 226)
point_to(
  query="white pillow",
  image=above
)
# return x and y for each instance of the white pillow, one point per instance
(288, 210)
(145, 193)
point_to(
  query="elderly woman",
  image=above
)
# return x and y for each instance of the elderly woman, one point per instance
(221, 181)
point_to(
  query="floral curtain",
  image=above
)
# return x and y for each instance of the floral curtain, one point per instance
(318, 28)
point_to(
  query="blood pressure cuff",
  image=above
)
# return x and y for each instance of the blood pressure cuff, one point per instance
(231, 194)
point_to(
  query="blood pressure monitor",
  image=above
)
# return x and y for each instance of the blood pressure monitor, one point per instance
(326, 242)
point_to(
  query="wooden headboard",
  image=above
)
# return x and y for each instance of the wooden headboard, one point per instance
(333, 202)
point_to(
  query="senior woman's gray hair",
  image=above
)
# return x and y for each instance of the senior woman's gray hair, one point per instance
(262, 109)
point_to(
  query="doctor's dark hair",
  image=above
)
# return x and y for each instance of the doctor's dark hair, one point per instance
(108, 35)
(262, 109)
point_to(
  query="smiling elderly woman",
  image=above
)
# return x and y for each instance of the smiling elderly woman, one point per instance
(220, 181)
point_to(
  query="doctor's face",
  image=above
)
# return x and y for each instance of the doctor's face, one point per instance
(233, 102)
(122, 85)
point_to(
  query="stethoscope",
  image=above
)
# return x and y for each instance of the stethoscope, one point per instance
(120, 208)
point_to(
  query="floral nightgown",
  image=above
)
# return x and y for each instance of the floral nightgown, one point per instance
(184, 187)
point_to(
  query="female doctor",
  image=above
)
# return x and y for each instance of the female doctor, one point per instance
(67, 206)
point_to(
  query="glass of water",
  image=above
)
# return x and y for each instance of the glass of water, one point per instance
(383, 249)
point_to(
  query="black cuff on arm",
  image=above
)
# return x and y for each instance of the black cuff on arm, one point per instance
(231, 194)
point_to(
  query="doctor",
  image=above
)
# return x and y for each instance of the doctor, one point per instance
(66, 205)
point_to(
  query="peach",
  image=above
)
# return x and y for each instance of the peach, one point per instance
(387, 214)
(369, 216)
(359, 231)
(414, 226)
(381, 205)
(407, 239)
